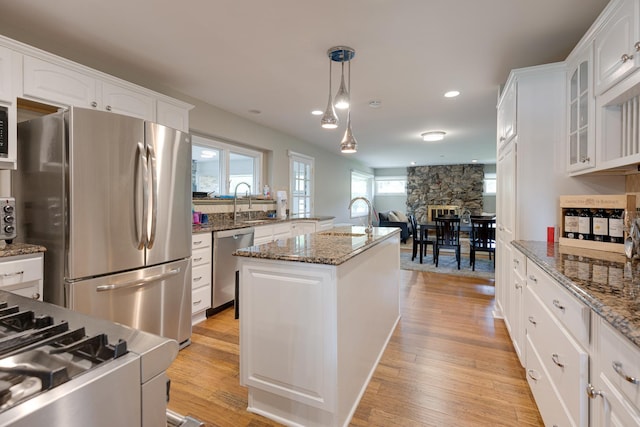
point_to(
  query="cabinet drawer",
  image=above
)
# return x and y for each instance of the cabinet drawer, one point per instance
(15, 271)
(200, 276)
(566, 364)
(620, 361)
(200, 240)
(200, 256)
(519, 264)
(574, 315)
(281, 231)
(200, 300)
(545, 395)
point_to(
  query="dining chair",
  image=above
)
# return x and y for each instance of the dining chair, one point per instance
(447, 237)
(482, 239)
(420, 240)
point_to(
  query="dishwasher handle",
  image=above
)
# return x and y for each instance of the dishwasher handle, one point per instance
(235, 233)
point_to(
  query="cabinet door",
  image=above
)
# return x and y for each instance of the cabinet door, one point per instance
(59, 85)
(121, 100)
(172, 115)
(581, 112)
(505, 225)
(614, 46)
(507, 114)
(6, 80)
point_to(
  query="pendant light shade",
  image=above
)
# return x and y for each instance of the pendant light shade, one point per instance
(348, 144)
(329, 118)
(342, 97)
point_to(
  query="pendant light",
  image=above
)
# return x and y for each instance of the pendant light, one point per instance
(329, 118)
(341, 54)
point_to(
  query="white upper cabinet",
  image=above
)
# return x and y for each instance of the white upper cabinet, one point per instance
(172, 115)
(507, 114)
(50, 82)
(6, 75)
(119, 99)
(581, 111)
(617, 45)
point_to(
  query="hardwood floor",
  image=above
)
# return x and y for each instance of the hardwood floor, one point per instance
(448, 363)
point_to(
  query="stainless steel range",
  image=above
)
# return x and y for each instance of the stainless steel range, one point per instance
(63, 368)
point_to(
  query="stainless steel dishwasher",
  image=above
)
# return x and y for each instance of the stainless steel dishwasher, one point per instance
(225, 265)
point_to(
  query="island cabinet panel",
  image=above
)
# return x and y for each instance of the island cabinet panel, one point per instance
(311, 335)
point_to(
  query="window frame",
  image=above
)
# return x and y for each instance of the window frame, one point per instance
(489, 177)
(356, 210)
(293, 197)
(389, 178)
(226, 150)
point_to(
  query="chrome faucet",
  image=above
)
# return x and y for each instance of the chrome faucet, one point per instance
(369, 228)
(235, 199)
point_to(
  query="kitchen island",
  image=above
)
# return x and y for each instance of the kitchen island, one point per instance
(316, 313)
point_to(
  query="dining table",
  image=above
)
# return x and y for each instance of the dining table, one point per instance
(425, 227)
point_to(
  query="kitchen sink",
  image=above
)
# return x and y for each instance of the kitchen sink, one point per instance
(341, 234)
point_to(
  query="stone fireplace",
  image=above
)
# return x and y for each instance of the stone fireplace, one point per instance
(459, 186)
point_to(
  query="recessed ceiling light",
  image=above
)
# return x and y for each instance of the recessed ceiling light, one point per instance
(317, 112)
(474, 161)
(435, 135)
(375, 103)
(451, 94)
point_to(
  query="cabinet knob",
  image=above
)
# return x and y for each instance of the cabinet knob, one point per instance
(592, 392)
(36, 295)
(626, 57)
(617, 366)
(585, 159)
(518, 285)
(94, 104)
(108, 108)
(637, 46)
(533, 278)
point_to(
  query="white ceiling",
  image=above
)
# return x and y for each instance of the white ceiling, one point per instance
(270, 55)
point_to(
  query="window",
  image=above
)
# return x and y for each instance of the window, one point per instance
(390, 185)
(217, 167)
(301, 185)
(489, 183)
(361, 186)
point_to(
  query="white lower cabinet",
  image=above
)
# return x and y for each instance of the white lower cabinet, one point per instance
(22, 274)
(325, 224)
(302, 227)
(200, 276)
(615, 385)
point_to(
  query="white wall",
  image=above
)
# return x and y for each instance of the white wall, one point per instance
(332, 170)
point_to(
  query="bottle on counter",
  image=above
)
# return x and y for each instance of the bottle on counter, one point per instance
(616, 226)
(600, 225)
(571, 224)
(584, 225)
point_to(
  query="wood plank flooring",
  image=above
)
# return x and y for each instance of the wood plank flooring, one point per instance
(449, 363)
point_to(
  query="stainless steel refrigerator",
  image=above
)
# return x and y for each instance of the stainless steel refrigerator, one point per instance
(109, 196)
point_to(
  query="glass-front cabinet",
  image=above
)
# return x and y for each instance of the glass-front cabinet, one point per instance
(581, 141)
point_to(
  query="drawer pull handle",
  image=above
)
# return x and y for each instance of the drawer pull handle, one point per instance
(532, 320)
(617, 366)
(197, 259)
(197, 302)
(556, 360)
(533, 278)
(592, 392)
(533, 375)
(15, 273)
(626, 57)
(197, 242)
(195, 279)
(557, 305)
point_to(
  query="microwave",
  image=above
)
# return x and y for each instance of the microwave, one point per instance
(4, 132)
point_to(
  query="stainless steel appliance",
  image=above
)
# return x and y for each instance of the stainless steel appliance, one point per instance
(63, 368)
(225, 265)
(109, 196)
(7, 219)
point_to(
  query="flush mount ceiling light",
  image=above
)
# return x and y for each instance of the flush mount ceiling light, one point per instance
(452, 94)
(436, 135)
(329, 120)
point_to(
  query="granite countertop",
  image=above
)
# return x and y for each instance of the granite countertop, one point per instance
(331, 247)
(13, 249)
(229, 225)
(607, 282)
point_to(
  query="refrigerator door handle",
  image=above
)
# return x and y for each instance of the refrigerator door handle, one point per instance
(138, 282)
(141, 227)
(151, 158)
